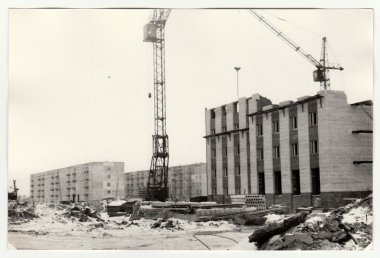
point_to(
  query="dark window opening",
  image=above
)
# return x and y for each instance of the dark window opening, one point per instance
(275, 126)
(294, 123)
(212, 111)
(295, 149)
(237, 150)
(277, 183)
(259, 129)
(315, 181)
(313, 119)
(224, 111)
(261, 182)
(296, 185)
(225, 172)
(260, 154)
(276, 152)
(314, 147)
(236, 108)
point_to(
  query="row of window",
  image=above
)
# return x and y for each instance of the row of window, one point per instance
(295, 182)
(313, 120)
(276, 150)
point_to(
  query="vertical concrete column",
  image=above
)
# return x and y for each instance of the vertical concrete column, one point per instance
(208, 151)
(268, 153)
(285, 151)
(219, 151)
(336, 145)
(243, 146)
(253, 153)
(304, 148)
(230, 149)
(208, 121)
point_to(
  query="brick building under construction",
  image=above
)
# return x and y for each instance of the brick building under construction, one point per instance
(316, 151)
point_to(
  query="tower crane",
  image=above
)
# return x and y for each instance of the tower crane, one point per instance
(320, 75)
(154, 32)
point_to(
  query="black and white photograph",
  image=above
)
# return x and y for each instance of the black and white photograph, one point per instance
(163, 128)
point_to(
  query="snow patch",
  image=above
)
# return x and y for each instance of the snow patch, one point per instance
(274, 218)
(359, 214)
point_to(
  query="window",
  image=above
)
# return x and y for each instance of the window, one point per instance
(275, 126)
(277, 183)
(108, 184)
(225, 152)
(236, 126)
(108, 192)
(295, 149)
(213, 151)
(296, 187)
(259, 129)
(214, 172)
(212, 131)
(315, 182)
(236, 108)
(108, 176)
(237, 149)
(261, 182)
(212, 111)
(108, 168)
(224, 128)
(225, 172)
(276, 152)
(314, 147)
(224, 111)
(260, 154)
(237, 170)
(313, 120)
(294, 124)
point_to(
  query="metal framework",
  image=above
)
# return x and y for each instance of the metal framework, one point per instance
(158, 175)
(320, 75)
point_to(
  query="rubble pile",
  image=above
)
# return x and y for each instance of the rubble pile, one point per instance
(82, 213)
(21, 213)
(348, 227)
(169, 224)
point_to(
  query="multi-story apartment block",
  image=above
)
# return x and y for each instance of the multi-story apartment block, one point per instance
(184, 182)
(86, 182)
(317, 149)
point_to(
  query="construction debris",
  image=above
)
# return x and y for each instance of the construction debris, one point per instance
(266, 232)
(20, 213)
(348, 227)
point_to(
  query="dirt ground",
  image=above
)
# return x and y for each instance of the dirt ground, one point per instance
(165, 241)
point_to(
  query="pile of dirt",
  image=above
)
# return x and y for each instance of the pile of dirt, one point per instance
(348, 227)
(82, 213)
(21, 213)
(169, 224)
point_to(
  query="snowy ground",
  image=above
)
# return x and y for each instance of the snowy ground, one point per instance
(54, 231)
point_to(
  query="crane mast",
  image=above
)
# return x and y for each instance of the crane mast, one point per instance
(320, 75)
(154, 32)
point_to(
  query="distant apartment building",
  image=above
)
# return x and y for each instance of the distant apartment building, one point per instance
(317, 149)
(184, 182)
(86, 182)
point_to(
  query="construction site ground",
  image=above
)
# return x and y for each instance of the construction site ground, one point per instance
(59, 227)
(56, 229)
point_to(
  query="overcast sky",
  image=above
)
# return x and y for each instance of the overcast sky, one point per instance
(79, 79)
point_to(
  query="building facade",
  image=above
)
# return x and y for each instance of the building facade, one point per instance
(315, 150)
(184, 182)
(86, 182)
